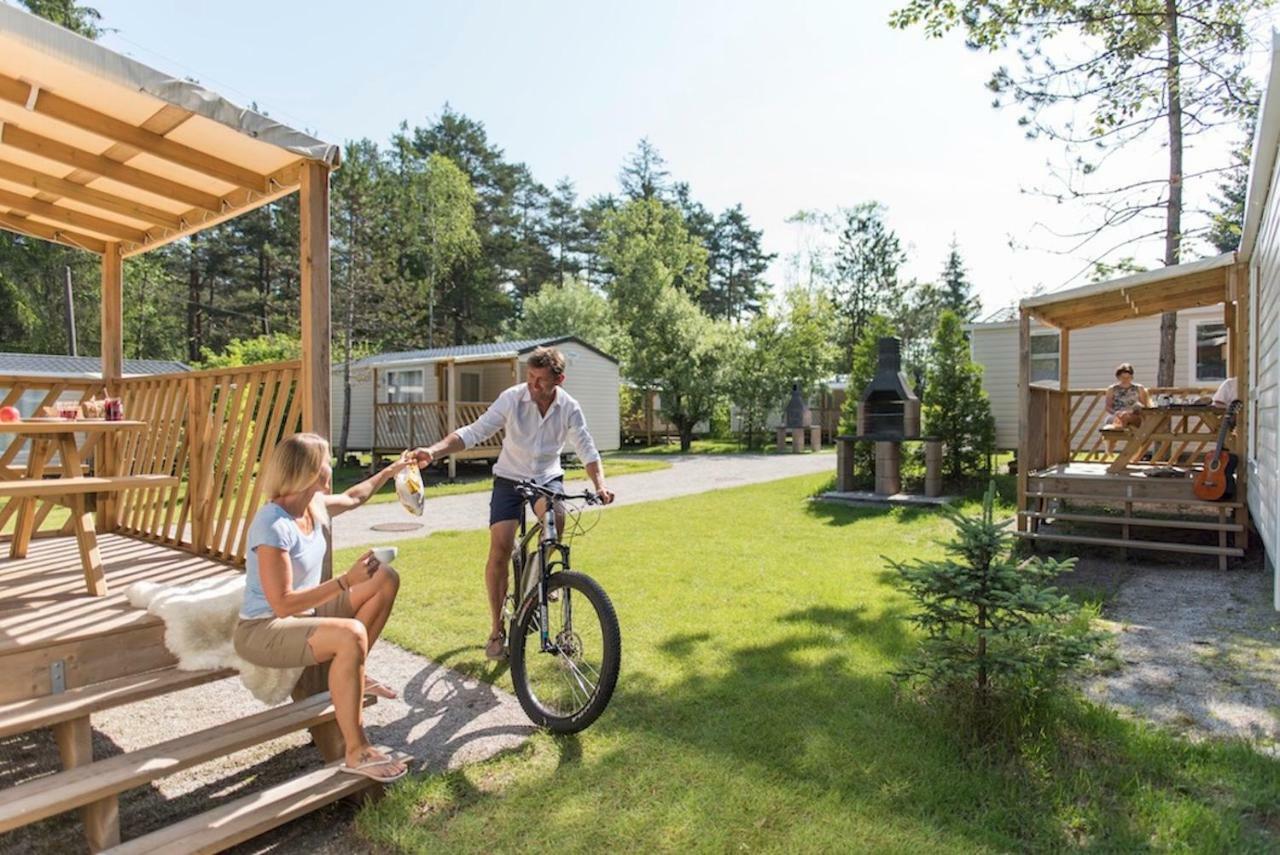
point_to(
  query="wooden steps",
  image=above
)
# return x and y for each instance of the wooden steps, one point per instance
(1061, 493)
(47, 487)
(1150, 522)
(29, 714)
(254, 814)
(93, 782)
(1153, 545)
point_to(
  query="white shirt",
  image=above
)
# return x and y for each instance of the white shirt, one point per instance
(532, 444)
(1226, 392)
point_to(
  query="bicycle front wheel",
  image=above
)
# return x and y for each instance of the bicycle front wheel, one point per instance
(567, 687)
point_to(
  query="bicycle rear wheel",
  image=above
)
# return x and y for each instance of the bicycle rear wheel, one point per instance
(567, 688)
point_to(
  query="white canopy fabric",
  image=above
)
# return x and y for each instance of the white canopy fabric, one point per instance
(97, 148)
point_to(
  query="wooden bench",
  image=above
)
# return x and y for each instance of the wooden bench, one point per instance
(27, 488)
(70, 490)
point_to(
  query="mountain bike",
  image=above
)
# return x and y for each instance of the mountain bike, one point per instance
(565, 647)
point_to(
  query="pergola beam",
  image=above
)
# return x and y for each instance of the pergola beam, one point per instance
(67, 217)
(85, 118)
(104, 167)
(66, 237)
(25, 177)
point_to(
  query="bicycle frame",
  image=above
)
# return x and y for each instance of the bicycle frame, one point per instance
(546, 549)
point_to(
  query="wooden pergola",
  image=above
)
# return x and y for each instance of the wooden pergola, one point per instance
(106, 155)
(1063, 453)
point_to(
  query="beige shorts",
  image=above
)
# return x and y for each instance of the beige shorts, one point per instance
(275, 642)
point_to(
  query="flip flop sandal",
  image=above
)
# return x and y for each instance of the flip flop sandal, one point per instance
(366, 769)
(379, 689)
(500, 653)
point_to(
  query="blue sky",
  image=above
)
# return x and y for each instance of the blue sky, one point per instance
(779, 106)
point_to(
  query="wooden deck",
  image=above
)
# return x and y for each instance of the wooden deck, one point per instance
(46, 615)
(1124, 509)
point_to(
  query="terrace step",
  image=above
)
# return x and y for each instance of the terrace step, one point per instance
(1059, 493)
(1206, 525)
(32, 713)
(254, 814)
(46, 487)
(92, 782)
(1153, 545)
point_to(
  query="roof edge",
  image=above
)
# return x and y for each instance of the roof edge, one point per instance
(1134, 280)
(100, 60)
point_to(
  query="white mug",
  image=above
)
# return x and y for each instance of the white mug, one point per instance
(385, 554)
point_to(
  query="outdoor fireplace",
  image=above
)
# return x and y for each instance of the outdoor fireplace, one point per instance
(889, 409)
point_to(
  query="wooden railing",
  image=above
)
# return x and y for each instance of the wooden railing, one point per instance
(215, 429)
(1087, 414)
(33, 394)
(410, 425)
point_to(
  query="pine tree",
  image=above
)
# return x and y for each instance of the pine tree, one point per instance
(957, 291)
(955, 408)
(996, 630)
(868, 256)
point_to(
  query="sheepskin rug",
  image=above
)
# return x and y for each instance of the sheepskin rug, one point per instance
(199, 619)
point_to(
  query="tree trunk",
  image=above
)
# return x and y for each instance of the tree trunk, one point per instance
(195, 335)
(686, 436)
(1173, 210)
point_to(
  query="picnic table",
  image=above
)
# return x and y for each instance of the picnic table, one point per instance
(1164, 425)
(72, 486)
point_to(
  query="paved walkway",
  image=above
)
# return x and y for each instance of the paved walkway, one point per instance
(687, 475)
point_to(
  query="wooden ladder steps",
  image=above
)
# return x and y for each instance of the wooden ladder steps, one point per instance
(54, 794)
(249, 816)
(1154, 545)
(1206, 525)
(22, 716)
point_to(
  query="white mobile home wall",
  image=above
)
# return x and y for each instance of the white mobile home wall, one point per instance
(1264, 386)
(1095, 353)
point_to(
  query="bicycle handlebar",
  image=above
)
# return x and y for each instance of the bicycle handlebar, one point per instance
(530, 490)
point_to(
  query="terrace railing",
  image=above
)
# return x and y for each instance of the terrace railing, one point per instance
(1087, 414)
(410, 425)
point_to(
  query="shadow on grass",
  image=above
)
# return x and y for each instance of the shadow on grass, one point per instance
(805, 721)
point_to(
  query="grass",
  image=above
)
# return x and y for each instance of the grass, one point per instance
(754, 711)
(480, 481)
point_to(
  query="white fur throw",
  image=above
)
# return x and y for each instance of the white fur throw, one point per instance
(199, 619)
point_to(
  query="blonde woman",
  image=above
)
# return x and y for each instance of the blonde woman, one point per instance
(290, 618)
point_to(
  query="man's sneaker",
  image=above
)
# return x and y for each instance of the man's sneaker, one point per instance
(496, 648)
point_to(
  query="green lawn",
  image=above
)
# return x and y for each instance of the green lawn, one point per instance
(345, 477)
(754, 711)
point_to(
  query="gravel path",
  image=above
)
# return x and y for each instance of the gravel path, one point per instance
(1199, 650)
(687, 475)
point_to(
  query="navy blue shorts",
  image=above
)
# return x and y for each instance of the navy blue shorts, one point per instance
(504, 501)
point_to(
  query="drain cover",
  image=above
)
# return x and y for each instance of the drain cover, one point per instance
(404, 526)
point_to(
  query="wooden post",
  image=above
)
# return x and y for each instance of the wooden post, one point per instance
(198, 466)
(815, 437)
(313, 206)
(452, 387)
(1024, 404)
(112, 369)
(1064, 390)
(373, 451)
(844, 474)
(313, 382)
(101, 818)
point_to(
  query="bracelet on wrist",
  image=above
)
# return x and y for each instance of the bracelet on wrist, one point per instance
(338, 579)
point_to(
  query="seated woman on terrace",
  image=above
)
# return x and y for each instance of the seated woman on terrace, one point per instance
(1125, 399)
(290, 618)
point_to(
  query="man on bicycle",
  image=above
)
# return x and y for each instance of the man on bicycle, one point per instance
(538, 416)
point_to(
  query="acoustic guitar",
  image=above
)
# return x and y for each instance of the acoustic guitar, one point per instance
(1216, 479)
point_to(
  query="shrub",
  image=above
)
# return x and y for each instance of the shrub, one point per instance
(998, 635)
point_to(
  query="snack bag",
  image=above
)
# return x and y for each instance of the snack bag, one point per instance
(410, 489)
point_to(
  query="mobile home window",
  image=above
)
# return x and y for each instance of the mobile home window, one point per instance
(1211, 353)
(1044, 356)
(404, 387)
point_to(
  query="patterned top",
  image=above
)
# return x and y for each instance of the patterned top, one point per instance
(1125, 397)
